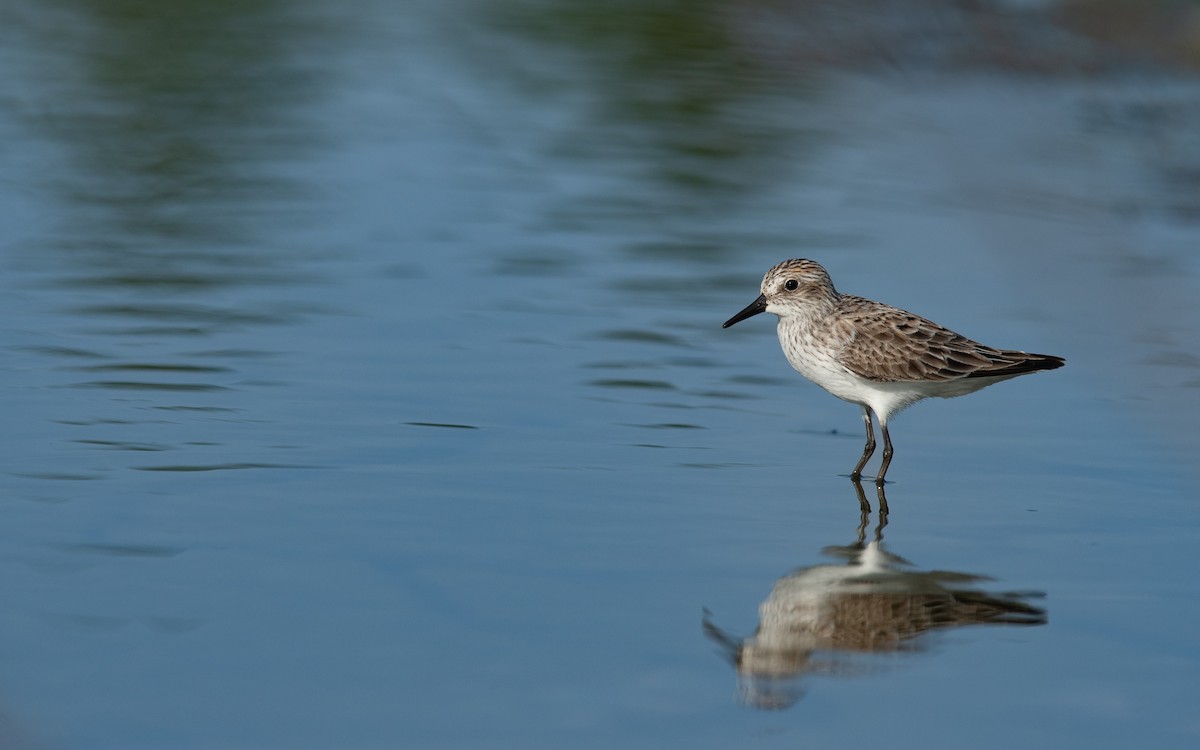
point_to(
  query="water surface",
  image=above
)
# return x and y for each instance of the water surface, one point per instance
(364, 381)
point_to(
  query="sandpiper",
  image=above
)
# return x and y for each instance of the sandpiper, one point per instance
(877, 356)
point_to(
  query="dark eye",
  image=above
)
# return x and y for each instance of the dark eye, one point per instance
(791, 285)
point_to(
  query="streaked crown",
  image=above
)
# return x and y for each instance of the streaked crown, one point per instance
(798, 281)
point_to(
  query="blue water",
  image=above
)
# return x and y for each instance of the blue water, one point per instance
(364, 383)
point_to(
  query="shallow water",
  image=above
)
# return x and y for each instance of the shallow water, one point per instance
(365, 385)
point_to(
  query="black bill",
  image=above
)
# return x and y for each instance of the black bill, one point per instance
(754, 308)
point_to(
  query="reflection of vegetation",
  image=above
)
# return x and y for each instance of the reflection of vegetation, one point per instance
(177, 110)
(674, 60)
(670, 69)
(1167, 31)
(1052, 37)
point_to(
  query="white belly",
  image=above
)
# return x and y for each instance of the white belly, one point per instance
(818, 363)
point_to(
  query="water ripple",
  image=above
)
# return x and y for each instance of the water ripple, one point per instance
(131, 385)
(220, 467)
(658, 385)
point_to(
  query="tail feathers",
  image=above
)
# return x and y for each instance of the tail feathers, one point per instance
(1019, 363)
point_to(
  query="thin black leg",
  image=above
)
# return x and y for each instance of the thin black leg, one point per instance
(868, 449)
(887, 454)
(863, 506)
(865, 512)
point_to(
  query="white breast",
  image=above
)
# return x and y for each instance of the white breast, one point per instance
(816, 359)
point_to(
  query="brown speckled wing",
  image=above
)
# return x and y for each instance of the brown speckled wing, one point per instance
(889, 344)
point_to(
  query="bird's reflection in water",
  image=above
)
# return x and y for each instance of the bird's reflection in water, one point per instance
(828, 619)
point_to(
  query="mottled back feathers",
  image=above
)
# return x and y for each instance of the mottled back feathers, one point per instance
(887, 344)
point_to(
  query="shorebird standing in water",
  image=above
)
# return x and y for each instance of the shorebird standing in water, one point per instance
(877, 356)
